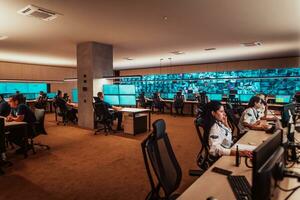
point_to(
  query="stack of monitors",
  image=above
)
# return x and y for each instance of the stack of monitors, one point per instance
(215, 97)
(245, 97)
(120, 95)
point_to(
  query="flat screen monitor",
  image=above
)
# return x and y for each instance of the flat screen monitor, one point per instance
(111, 89)
(37, 87)
(112, 99)
(30, 96)
(13, 87)
(260, 156)
(126, 89)
(51, 95)
(75, 95)
(282, 98)
(2, 88)
(245, 97)
(127, 100)
(215, 97)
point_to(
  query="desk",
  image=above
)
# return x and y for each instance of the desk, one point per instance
(31, 103)
(7, 126)
(216, 185)
(135, 112)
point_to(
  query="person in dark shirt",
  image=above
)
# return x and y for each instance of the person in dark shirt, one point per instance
(116, 110)
(20, 113)
(66, 106)
(179, 102)
(41, 102)
(4, 107)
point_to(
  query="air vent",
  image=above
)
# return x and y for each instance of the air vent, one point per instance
(251, 44)
(210, 49)
(177, 52)
(40, 13)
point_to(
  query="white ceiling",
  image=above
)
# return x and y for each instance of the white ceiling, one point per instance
(137, 30)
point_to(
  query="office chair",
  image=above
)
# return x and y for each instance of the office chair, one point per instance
(179, 103)
(157, 148)
(103, 117)
(60, 111)
(233, 119)
(204, 159)
(37, 129)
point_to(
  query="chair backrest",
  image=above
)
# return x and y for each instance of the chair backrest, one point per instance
(158, 149)
(178, 100)
(101, 111)
(40, 119)
(233, 120)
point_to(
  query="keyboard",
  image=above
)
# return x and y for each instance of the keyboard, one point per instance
(241, 187)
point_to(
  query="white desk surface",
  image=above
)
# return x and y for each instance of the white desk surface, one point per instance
(134, 110)
(216, 185)
(11, 123)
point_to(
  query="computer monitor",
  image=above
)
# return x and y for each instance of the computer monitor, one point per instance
(264, 157)
(215, 97)
(75, 95)
(112, 99)
(245, 97)
(126, 89)
(127, 100)
(51, 95)
(29, 96)
(282, 98)
(111, 89)
(285, 116)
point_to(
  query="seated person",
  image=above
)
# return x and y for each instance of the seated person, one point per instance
(115, 113)
(263, 110)
(67, 107)
(179, 102)
(20, 112)
(297, 97)
(251, 119)
(144, 101)
(66, 97)
(217, 133)
(159, 102)
(41, 102)
(4, 107)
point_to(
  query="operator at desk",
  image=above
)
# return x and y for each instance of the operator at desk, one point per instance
(217, 132)
(116, 110)
(20, 113)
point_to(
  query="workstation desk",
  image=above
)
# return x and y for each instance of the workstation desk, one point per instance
(217, 186)
(193, 104)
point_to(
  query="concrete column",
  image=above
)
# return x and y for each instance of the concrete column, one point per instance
(94, 60)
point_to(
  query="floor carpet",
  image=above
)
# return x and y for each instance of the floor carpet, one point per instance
(81, 165)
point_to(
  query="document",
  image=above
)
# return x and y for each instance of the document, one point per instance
(244, 147)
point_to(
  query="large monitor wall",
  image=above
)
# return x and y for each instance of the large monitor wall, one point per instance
(282, 81)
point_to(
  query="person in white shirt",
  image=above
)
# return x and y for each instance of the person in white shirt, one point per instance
(251, 117)
(217, 131)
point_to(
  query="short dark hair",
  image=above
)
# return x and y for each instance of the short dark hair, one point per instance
(253, 100)
(2, 96)
(59, 92)
(100, 94)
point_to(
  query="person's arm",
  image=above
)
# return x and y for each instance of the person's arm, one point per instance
(215, 143)
(18, 118)
(256, 126)
(116, 108)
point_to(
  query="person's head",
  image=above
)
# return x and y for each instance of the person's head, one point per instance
(216, 110)
(17, 92)
(14, 101)
(66, 95)
(100, 95)
(59, 93)
(41, 93)
(255, 102)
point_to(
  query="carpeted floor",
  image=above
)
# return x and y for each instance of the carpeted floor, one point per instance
(81, 165)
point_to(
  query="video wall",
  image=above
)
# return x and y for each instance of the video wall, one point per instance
(123, 95)
(30, 90)
(282, 81)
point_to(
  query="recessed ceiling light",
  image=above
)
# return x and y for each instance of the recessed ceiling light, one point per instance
(177, 52)
(165, 18)
(210, 49)
(251, 44)
(128, 58)
(3, 37)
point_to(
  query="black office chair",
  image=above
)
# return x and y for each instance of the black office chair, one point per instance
(179, 103)
(38, 129)
(157, 148)
(204, 159)
(62, 112)
(41, 103)
(143, 102)
(103, 117)
(233, 119)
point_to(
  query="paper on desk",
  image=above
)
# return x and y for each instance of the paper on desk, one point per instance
(244, 147)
